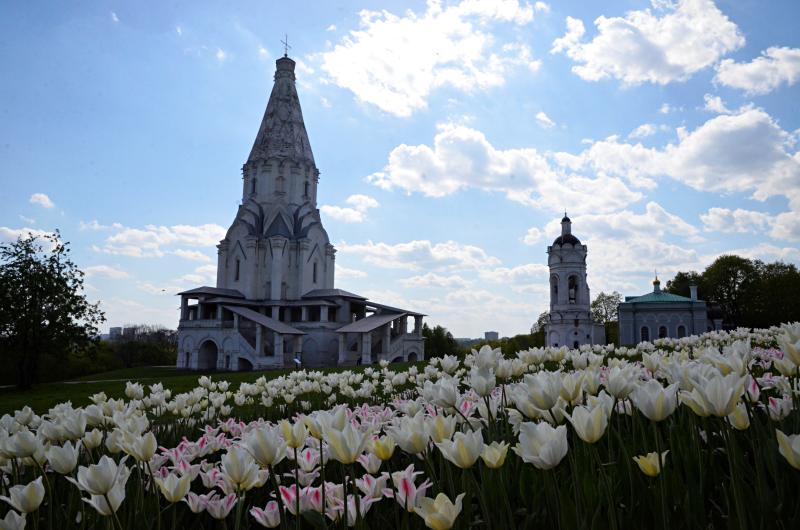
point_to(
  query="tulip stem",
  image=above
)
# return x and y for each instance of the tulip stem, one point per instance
(465, 418)
(114, 512)
(296, 489)
(660, 476)
(322, 475)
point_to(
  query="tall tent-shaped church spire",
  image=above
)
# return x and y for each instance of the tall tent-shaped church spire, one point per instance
(282, 134)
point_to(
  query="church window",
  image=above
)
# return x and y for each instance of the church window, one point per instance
(279, 184)
(306, 189)
(573, 289)
(575, 344)
(645, 334)
(662, 332)
(253, 186)
(681, 331)
(236, 272)
(577, 323)
(314, 273)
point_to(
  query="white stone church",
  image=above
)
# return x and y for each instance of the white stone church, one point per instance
(571, 322)
(275, 305)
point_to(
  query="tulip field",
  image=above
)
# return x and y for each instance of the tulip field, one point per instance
(699, 432)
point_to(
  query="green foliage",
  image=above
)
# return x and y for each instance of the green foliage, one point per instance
(511, 345)
(604, 307)
(44, 315)
(750, 293)
(439, 342)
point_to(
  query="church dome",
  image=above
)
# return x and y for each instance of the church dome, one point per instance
(566, 239)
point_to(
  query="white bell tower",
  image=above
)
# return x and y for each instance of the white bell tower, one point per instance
(570, 322)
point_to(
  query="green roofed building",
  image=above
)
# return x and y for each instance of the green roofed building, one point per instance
(659, 315)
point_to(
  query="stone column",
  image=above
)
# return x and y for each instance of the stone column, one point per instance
(387, 338)
(219, 312)
(278, 346)
(323, 313)
(236, 322)
(342, 344)
(304, 313)
(366, 348)
(259, 340)
(184, 308)
(275, 312)
(418, 325)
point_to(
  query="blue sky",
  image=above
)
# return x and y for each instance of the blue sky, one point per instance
(450, 137)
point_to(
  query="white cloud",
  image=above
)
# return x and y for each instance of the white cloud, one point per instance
(645, 47)
(194, 255)
(28, 220)
(745, 152)
(532, 236)
(179, 31)
(343, 273)
(421, 255)
(787, 226)
(221, 54)
(11, 234)
(204, 274)
(332, 27)
(95, 226)
(105, 270)
(542, 6)
(530, 273)
(158, 290)
(263, 53)
(42, 200)
(544, 120)
(149, 241)
(357, 213)
(462, 157)
(715, 104)
(665, 108)
(431, 279)
(395, 62)
(643, 131)
(114, 17)
(736, 221)
(775, 66)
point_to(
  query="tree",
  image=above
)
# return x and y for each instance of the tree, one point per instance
(43, 310)
(438, 341)
(544, 318)
(731, 282)
(680, 283)
(604, 307)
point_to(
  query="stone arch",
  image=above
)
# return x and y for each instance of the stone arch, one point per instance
(554, 338)
(681, 331)
(397, 360)
(208, 355)
(644, 334)
(663, 332)
(413, 356)
(554, 288)
(244, 365)
(573, 286)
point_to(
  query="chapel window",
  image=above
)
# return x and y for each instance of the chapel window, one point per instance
(681, 331)
(236, 272)
(645, 334)
(314, 273)
(253, 186)
(662, 332)
(573, 289)
(306, 189)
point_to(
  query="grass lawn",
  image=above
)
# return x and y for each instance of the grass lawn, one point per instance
(45, 395)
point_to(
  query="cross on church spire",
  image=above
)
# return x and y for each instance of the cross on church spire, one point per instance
(286, 46)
